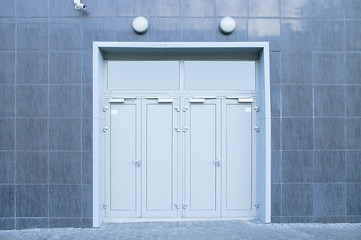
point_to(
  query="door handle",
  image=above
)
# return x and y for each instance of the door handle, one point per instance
(218, 162)
(138, 162)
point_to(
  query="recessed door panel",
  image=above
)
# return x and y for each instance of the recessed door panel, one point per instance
(237, 158)
(159, 156)
(124, 182)
(202, 172)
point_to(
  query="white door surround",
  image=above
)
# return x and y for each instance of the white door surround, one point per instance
(256, 51)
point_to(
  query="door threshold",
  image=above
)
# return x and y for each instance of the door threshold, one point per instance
(137, 220)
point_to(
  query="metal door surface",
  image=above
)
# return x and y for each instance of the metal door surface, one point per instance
(202, 158)
(159, 154)
(123, 184)
(237, 177)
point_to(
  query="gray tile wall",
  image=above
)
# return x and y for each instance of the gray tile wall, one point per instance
(46, 99)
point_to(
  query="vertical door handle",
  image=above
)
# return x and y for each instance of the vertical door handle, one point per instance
(218, 162)
(138, 162)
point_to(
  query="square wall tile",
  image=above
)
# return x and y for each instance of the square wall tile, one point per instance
(65, 167)
(7, 166)
(297, 166)
(353, 100)
(135, 8)
(65, 34)
(265, 30)
(65, 68)
(276, 101)
(7, 33)
(353, 133)
(353, 69)
(297, 220)
(264, 8)
(87, 101)
(353, 198)
(165, 29)
(7, 133)
(161, 8)
(198, 8)
(198, 29)
(87, 134)
(32, 134)
(87, 67)
(326, 139)
(276, 200)
(329, 199)
(32, 34)
(104, 8)
(32, 68)
(64, 9)
(87, 200)
(276, 134)
(7, 8)
(297, 134)
(98, 30)
(64, 222)
(124, 32)
(231, 8)
(353, 35)
(296, 68)
(31, 100)
(275, 67)
(297, 200)
(332, 219)
(329, 166)
(7, 100)
(87, 222)
(65, 101)
(87, 167)
(32, 167)
(239, 34)
(352, 9)
(6, 201)
(24, 223)
(7, 68)
(328, 68)
(7, 223)
(296, 35)
(296, 8)
(328, 9)
(353, 166)
(31, 201)
(64, 201)
(297, 101)
(32, 8)
(276, 167)
(328, 35)
(65, 134)
(329, 101)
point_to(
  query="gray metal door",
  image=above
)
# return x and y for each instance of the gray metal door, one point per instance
(202, 158)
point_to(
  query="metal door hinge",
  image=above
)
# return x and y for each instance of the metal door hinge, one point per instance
(105, 205)
(256, 129)
(256, 205)
(256, 109)
(176, 206)
(105, 129)
(185, 129)
(177, 109)
(185, 206)
(138, 162)
(177, 129)
(218, 162)
(105, 109)
(185, 109)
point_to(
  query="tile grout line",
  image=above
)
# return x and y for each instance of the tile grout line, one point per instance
(48, 117)
(15, 114)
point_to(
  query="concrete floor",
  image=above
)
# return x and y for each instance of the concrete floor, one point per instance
(243, 229)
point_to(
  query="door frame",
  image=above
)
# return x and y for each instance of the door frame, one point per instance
(258, 51)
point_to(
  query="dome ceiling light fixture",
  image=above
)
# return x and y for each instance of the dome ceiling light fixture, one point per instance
(227, 25)
(140, 24)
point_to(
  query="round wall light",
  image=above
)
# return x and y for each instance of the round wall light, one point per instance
(140, 24)
(227, 25)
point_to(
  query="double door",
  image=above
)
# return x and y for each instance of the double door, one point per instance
(180, 157)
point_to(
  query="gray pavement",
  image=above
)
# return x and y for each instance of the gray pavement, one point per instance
(242, 229)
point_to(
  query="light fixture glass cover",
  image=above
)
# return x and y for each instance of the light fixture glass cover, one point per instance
(227, 25)
(140, 24)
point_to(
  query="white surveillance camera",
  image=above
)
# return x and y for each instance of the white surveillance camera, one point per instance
(79, 5)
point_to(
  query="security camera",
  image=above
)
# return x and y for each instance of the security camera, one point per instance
(79, 5)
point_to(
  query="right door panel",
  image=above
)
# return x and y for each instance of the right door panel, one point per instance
(237, 159)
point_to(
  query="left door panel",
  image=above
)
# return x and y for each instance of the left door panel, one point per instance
(123, 193)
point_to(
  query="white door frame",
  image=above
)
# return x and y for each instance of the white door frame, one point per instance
(251, 49)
